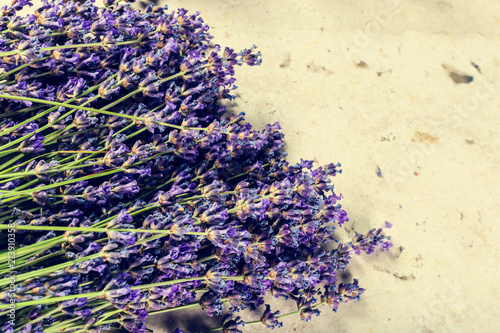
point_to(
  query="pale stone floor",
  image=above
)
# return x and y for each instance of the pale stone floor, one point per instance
(368, 84)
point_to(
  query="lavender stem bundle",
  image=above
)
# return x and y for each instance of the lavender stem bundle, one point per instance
(127, 191)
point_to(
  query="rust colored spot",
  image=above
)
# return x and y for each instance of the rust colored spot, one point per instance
(424, 137)
(362, 64)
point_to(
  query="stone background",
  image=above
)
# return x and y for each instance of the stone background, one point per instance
(385, 85)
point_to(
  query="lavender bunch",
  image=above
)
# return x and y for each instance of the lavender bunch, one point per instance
(132, 192)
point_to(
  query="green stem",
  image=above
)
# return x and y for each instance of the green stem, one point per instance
(56, 268)
(17, 175)
(50, 300)
(213, 329)
(208, 258)
(66, 103)
(11, 161)
(63, 325)
(5, 194)
(55, 137)
(106, 316)
(15, 198)
(49, 243)
(4, 75)
(21, 111)
(21, 139)
(39, 115)
(182, 307)
(260, 322)
(120, 131)
(99, 111)
(73, 46)
(136, 133)
(244, 173)
(34, 262)
(78, 161)
(110, 321)
(2, 148)
(36, 320)
(94, 311)
(19, 156)
(66, 182)
(86, 229)
(11, 30)
(43, 271)
(34, 248)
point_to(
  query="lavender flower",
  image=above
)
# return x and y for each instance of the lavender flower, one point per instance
(230, 324)
(211, 303)
(141, 143)
(269, 319)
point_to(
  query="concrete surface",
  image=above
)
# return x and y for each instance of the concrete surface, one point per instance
(371, 84)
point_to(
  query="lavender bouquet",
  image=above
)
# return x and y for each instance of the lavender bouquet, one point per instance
(126, 190)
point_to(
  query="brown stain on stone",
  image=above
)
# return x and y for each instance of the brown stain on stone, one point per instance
(404, 277)
(381, 269)
(418, 261)
(398, 252)
(312, 67)
(424, 137)
(456, 75)
(444, 6)
(362, 64)
(287, 61)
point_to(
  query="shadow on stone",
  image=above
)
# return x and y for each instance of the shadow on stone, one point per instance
(192, 320)
(345, 276)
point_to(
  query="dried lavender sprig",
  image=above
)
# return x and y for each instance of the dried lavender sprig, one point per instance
(11, 194)
(64, 104)
(343, 293)
(58, 240)
(96, 229)
(72, 46)
(108, 292)
(99, 111)
(108, 219)
(86, 229)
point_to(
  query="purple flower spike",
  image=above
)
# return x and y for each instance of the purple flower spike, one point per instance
(269, 319)
(77, 302)
(125, 238)
(211, 303)
(230, 324)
